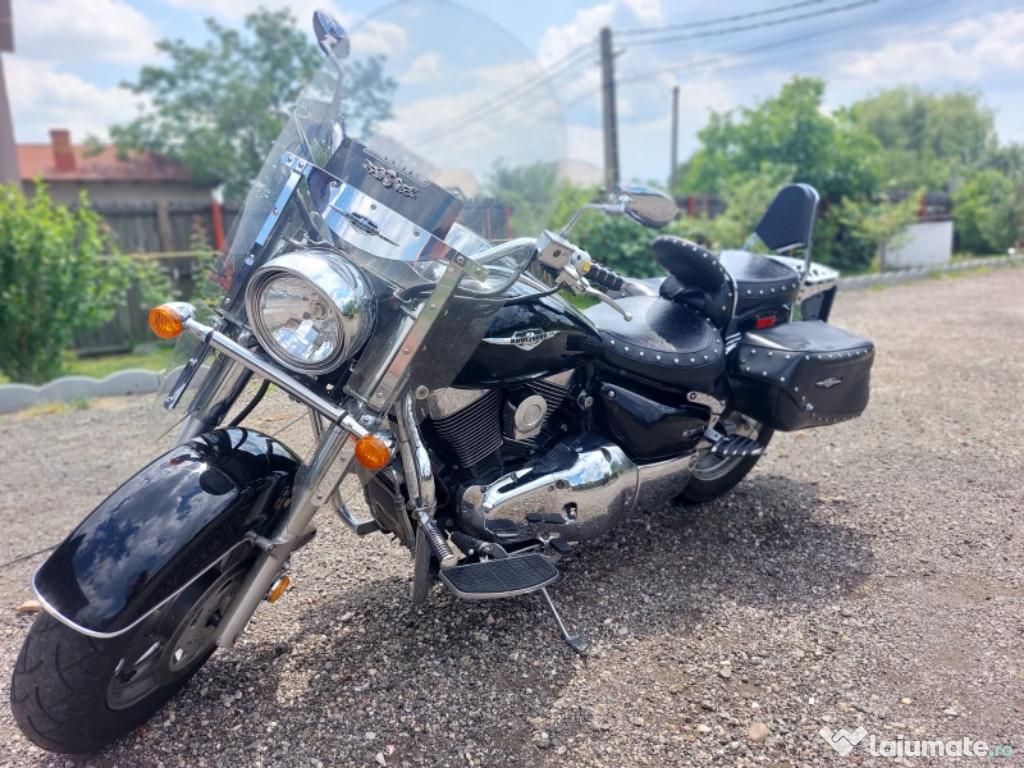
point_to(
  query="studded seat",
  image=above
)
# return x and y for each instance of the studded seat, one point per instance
(760, 280)
(665, 343)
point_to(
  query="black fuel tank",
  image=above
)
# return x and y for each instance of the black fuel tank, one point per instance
(526, 340)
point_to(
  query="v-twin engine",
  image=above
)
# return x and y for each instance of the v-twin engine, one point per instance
(577, 491)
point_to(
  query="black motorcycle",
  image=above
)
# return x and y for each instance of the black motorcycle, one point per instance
(490, 423)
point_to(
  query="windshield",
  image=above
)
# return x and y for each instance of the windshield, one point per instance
(425, 151)
(437, 115)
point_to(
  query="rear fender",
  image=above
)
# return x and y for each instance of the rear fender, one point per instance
(164, 528)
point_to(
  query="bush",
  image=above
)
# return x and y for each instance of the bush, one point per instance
(987, 213)
(55, 281)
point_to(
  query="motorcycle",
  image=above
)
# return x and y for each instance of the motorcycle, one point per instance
(487, 422)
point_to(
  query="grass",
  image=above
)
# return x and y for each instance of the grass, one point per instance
(102, 366)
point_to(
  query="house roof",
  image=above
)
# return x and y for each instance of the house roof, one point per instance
(38, 160)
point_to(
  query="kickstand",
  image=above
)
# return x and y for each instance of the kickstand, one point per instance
(574, 641)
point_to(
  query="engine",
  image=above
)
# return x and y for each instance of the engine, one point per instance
(485, 430)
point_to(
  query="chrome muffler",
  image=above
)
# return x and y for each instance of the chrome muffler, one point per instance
(577, 491)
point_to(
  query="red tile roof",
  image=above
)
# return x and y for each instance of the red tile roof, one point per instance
(35, 160)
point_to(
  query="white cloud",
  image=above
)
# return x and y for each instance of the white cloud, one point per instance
(967, 51)
(423, 69)
(83, 31)
(646, 11)
(42, 98)
(472, 121)
(382, 37)
(557, 42)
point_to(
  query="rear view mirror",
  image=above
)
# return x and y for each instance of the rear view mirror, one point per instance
(650, 207)
(331, 36)
(789, 220)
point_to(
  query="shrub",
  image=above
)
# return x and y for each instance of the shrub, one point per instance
(56, 282)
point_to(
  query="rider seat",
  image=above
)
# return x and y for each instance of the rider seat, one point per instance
(664, 343)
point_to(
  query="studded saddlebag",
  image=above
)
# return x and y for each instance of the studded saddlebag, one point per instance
(800, 375)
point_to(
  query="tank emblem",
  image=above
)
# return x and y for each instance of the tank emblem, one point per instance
(525, 340)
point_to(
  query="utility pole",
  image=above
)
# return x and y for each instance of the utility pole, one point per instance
(611, 133)
(8, 150)
(675, 141)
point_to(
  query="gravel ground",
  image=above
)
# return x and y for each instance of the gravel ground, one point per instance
(868, 574)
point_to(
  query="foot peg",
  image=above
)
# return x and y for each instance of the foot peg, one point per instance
(492, 579)
(437, 542)
(737, 445)
(573, 641)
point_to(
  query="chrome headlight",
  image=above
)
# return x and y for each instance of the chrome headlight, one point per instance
(311, 310)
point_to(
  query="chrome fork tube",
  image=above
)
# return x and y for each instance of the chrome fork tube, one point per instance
(315, 483)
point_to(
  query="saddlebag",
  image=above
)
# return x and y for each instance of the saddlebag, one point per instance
(800, 375)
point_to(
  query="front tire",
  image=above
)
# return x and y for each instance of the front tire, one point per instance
(714, 476)
(74, 693)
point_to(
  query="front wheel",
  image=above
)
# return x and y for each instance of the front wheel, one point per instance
(74, 693)
(714, 476)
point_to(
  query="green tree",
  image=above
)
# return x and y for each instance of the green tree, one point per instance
(926, 139)
(218, 108)
(788, 137)
(54, 285)
(617, 242)
(988, 213)
(531, 192)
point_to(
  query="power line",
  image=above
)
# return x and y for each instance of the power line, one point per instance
(759, 25)
(719, 20)
(526, 87)
(790, 43)
(781, 43)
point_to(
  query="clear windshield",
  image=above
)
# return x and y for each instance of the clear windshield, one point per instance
(446, 119)
(425, 157)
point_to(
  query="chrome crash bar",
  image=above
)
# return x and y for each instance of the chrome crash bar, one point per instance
(272, 373)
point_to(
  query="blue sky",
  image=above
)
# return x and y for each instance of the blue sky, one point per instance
(71, 55)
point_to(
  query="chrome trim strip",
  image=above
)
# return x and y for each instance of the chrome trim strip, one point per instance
(272, 373)
(108, 635)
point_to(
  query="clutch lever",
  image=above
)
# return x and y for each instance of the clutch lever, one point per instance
(588, 291)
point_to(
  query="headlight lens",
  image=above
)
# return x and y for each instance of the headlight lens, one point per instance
(311, 310)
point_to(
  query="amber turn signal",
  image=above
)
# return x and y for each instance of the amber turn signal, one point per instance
(372, 452)
(278, 589)
(165, 322)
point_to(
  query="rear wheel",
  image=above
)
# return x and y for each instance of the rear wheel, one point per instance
(75, 693)
(714, 475)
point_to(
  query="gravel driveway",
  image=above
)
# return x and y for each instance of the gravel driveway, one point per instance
(869, 574)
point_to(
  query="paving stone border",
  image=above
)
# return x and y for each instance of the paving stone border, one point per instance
(15, 397)
(134, 381)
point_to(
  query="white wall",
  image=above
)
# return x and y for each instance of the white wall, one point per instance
(928, 243)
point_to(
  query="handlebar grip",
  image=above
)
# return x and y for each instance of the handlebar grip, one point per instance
(604, 276)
